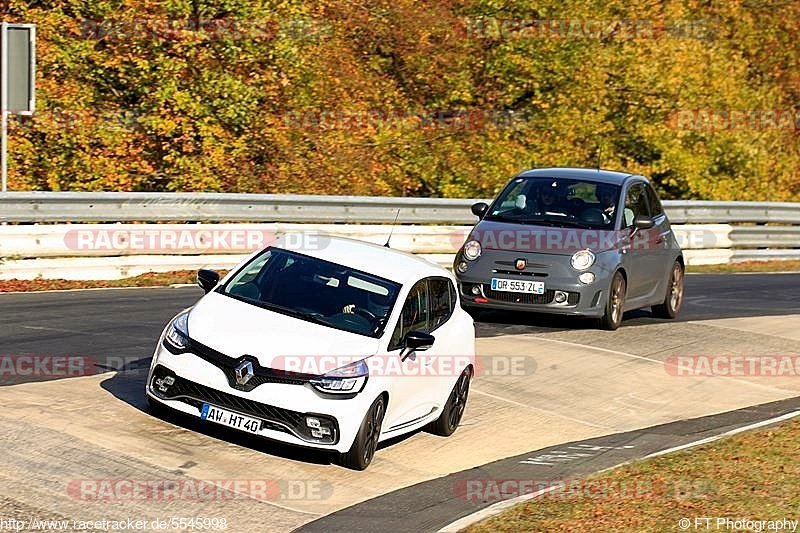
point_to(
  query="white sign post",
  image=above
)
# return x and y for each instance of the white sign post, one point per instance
(17, 79)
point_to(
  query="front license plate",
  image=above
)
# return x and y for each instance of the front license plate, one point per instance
(515, 285)
(227, 418)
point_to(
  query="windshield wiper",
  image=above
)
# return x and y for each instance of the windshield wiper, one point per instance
(501, 218)
(311, 317)
(540, 222)
(573, 224)
(556, 223)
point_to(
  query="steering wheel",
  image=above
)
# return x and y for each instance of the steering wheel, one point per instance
(351, 321)
(366, 314)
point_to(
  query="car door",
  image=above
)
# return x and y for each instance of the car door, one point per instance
(407, 395)
(638, 258)
(427, 376)
(663, 242)
(448, 358)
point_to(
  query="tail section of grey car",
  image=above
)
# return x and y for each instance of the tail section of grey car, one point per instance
(582, 242)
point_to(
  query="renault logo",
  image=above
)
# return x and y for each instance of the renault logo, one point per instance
(244, 372)
(520, 264)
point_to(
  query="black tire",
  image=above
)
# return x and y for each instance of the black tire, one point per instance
(615, 303)
(674, 297)
(474, 312)
(453, 410)
(366, 442)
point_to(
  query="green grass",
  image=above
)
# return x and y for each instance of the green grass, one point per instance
(753, 475)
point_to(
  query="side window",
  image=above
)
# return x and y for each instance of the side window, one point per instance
(635, 203)
(515, 198)
(244, 283)
(441, 306)
(414, 314)
(655, 204)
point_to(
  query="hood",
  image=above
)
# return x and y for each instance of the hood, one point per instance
(278, 341)
(510, 237)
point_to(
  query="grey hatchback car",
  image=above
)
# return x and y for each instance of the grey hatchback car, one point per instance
(581, 242)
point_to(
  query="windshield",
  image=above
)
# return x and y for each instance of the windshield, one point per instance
(560, 202)
(315, 290)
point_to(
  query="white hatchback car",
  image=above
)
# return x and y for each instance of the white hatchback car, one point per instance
(316, 341)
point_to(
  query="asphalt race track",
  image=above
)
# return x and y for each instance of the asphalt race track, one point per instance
(586, 400)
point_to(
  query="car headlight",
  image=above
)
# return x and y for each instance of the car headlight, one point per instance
(582, 259)
(348, 379)
(472, 250)
(177, 338)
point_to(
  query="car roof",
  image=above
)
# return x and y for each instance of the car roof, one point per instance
(388, 263)
(590, 174)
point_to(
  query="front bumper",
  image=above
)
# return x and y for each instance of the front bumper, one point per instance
(552, 269)
(282, 407)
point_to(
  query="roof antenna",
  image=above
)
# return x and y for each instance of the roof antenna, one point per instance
(391, 231)
(599, 153)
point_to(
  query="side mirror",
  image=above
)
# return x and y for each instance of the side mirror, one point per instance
(418, 341)
(642, 222)
(479, 209)
(207, 279)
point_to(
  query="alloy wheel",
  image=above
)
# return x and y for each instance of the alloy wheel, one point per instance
(373, 431)
(459, 399)
(676, 289)
(616, 299)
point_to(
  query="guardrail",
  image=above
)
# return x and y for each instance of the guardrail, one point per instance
(37, 242)
(40, 207)
(213, 207)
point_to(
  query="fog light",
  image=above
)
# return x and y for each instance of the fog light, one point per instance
(587, 277)
(462, 267)
(164, 383)
(320, 428)
(476, 290)
(560, 297)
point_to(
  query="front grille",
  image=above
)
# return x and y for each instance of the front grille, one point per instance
(528, 265)
(261, 375)
(518, 297)
(273, 417)
(524, 298)
(519, 273)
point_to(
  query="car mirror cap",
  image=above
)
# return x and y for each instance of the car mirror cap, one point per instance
(479, 209)
(418, 341)
(207, 279)
(643, 222)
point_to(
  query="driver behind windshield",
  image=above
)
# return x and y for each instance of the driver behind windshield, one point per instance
(376, 304)
(551, 199)
(607, 197)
